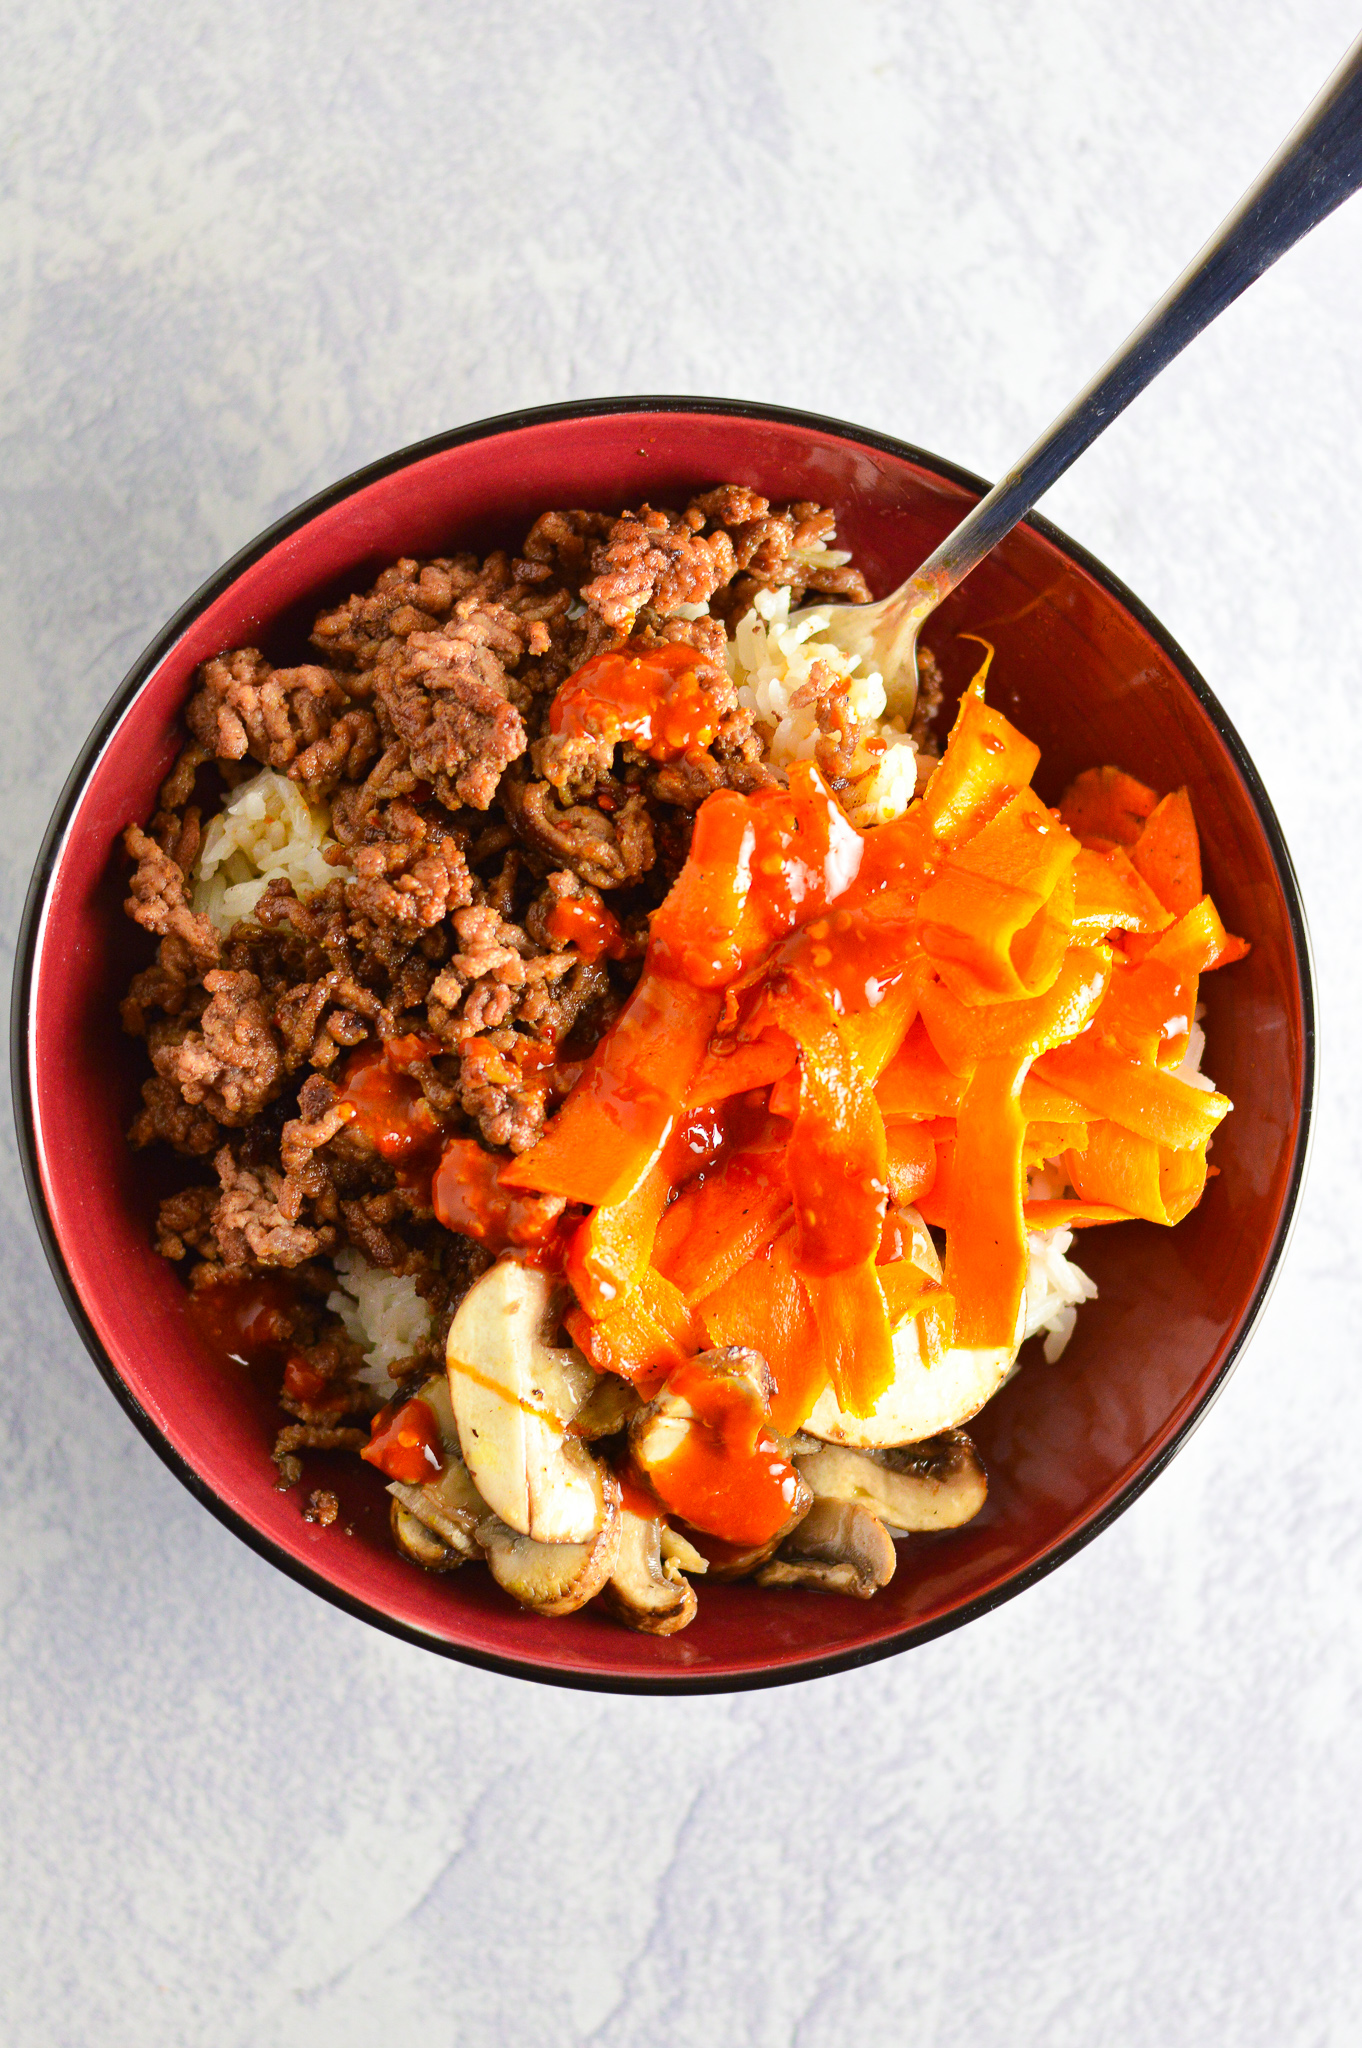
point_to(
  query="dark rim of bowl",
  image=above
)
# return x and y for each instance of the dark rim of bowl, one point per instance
(26, 954)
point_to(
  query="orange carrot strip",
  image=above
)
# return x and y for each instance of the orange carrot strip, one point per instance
(1168, 853)
(1042, 1104)
(875, 1035)
(964, 1034)
(1145, 1009)
(911, 1159)
(723, 1221)
(1182, 1179)
(744, 1065)
(853, 1322)
(650, 1334)
(917, 1082)
(986, 1251)
(1111, 894)
(1051, 1141)
(836, 1160)
(1065, 1214)
(905, 1289)
(1199, 942)
(1106, 803)
(936, 1326)
(935, 1206)
(759, 867)
(1158, 1182)
(985, 763)
(612, 1128)
(766, 1305)
(986, 914)
(610, 1251)
(1142, 1098)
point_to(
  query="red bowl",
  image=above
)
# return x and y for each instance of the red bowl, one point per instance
(1080, 666)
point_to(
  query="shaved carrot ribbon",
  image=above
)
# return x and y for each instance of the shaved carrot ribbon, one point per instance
(765, 1304)
(840, 1038)
(610, 1132)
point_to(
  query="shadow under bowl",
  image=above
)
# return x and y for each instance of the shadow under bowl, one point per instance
(1080, 666)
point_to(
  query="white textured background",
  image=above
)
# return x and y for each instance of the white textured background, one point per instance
(247, 248)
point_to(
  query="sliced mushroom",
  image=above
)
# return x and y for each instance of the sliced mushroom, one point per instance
(646, 1590)
(513, 1395)
(555, 1578)
(659, 1431)
(450, 1506)
(607, 1408)
(416, 1540)
(934, 1485)
(837, 1548)
(724, 1562)
(676, 1550)
(435, 1393)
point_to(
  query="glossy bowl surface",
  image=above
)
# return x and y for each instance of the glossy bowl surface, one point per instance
(1080, 666)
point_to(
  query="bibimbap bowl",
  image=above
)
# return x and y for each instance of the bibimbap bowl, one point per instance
(1079, 666)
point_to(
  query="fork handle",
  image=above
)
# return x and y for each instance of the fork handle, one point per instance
(1315, 170)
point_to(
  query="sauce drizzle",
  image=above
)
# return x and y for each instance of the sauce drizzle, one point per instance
(662, 700)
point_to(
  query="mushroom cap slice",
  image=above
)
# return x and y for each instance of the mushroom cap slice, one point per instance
(645, 1590)
(513, 1395)
(606, 1409)
(671, 1424)
(920, 1401)
(555, 1578)
(724, 1562)
(450, 1506)
(837, 1548)
(416, 1540)
(676, 1550)
(939, 1484)
(658, 1431)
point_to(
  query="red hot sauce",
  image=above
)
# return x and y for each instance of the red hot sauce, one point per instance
(665, 701)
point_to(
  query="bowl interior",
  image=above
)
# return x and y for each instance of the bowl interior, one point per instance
(1085, 675)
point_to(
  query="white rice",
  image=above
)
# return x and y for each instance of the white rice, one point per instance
(1190, 1068)
(1055, 1289)
(384, 1314)
(770, 661)
(266, 828)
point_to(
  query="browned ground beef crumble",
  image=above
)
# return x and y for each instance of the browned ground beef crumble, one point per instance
(462, 822)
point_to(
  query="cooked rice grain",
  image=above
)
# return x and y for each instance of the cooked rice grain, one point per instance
(266, 828)
(771, 661)
(382, 1312)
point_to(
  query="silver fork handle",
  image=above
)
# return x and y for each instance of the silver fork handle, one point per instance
(1315, 170)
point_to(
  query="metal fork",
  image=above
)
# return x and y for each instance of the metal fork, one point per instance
(1315, 170)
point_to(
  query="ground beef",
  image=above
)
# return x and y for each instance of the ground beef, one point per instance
(231, 1064)
(184, 1223)
(311, 1436)
(250, 1225)
(608, 843)
(460, 823)
(657, 558)
(559, 544)
(165, 1114)
(930, 690)
(157, 901)
(773, 549)
(414, 875)
(443, 699)
(243, 706)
